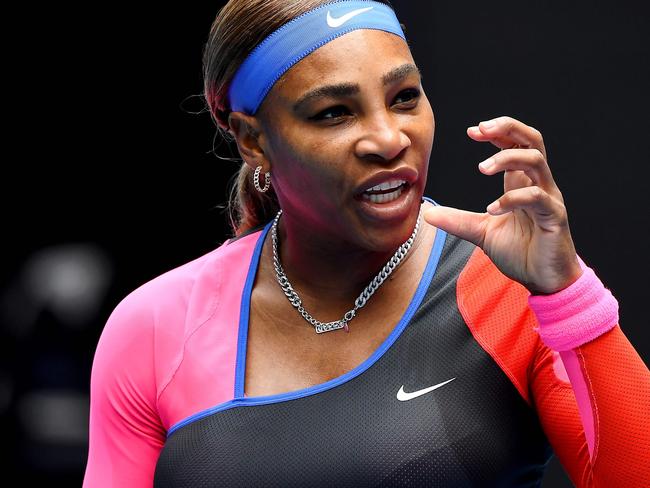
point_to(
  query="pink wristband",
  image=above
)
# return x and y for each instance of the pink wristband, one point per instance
(576, 315)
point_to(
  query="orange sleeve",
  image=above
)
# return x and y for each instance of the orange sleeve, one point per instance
(606, 374)
(617, 385)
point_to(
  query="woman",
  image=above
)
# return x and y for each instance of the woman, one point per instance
(354, 333)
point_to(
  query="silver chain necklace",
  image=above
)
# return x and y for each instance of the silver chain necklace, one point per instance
(376, 282)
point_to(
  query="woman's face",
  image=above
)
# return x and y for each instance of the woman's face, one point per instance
(348, 117)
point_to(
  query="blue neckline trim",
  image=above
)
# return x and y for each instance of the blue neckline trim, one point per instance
(240, 373)
(244, 313)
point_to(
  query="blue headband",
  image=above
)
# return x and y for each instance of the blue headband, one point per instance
(298, 38)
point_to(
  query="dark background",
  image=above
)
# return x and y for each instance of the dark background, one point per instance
(111, 179)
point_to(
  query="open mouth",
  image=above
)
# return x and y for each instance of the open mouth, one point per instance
(385, 192)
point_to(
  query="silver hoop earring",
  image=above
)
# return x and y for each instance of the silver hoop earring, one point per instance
(256, 180)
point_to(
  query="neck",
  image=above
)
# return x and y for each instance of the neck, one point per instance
(333, 272)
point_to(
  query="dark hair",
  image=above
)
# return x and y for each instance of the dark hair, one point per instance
(238, 28)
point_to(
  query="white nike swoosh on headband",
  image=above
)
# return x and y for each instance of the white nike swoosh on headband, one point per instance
(338, 22)
(402, 396)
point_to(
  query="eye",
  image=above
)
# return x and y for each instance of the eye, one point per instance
(331, 113)
(409, 96)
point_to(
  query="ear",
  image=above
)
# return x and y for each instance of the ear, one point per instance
(248, 135)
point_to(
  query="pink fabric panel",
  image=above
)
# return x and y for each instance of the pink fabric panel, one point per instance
(558, 368)
(205, 376)
(581, 392)
(125, 432)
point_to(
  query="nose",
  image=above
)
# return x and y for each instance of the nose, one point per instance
(383, 136)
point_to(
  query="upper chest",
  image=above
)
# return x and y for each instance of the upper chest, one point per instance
(472, 429)
(287, 355)
(284, 352)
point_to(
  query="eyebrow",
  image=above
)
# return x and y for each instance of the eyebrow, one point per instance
(347, 89)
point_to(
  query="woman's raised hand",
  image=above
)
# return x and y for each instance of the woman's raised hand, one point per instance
(526, 231)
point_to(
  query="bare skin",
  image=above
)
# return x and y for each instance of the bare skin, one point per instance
(284, 353)
(525, 232)
(320, 152)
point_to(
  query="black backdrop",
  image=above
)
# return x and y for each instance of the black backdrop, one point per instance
(110, 152)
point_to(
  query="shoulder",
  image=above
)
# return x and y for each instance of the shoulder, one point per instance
(481, 279)
(156, 318)
(188, 291)
(495, 308)
(487, 298)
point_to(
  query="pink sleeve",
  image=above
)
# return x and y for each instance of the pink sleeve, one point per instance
(126, 434)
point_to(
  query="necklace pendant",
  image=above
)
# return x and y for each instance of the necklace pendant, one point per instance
(346, 328)
(329, 326)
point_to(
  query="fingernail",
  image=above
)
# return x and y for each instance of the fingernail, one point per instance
(487, 163)
(488, 124)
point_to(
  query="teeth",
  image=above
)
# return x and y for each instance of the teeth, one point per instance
(387, 185)
(384, 197)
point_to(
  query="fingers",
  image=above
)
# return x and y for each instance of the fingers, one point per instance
(530, 161)
(466, 225)
(515, 179)
(505, 132)
(542, 207)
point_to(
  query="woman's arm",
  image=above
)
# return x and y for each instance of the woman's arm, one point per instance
(593, 402)
(126, 434)
(604, 438)
(585, 346)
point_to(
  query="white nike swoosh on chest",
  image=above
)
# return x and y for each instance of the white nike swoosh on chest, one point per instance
(402, 396)
(338, 22)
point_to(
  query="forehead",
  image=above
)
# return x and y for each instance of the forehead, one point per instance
(365, 51)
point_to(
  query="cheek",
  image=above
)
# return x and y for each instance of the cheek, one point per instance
(305, 166)
(421, 132)
(311, 152)
(428, 115)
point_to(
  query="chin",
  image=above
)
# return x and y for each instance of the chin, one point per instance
(389, 238)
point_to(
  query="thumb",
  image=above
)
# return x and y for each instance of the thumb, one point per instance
(466, 225)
